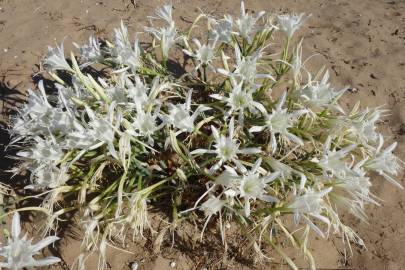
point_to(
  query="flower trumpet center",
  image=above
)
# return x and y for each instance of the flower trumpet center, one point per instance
(251, 186)
(206, 54)
(239, 100)
(148, 125)
(227, 149)
(278, 122)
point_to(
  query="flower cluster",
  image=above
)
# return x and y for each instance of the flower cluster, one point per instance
(245, 132)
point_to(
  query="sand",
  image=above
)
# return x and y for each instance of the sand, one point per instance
(362, 42)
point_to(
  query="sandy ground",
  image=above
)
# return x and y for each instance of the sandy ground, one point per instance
(362, 42)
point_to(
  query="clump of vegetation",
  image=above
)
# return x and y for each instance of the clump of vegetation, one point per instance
(244, 135)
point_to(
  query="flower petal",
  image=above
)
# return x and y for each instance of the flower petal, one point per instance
(44, 242)
(46, 261)
(268, 198)
(250, 150)
(256, 129)
(15, 226)
(200, 151)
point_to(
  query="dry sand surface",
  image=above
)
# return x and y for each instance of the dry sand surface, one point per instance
(362, 42)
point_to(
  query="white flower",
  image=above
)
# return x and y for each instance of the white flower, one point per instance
(123, 52)
(253, 186)
(181, 116)
(297, 63)
(226, 148)
(333, 162)
(290, 23)
(145, 123)
(311, 203)
(44, 151)
(246, 68)
(212, 206)
(278, 122)
(55, 59)
(138, 92)
(116, 92)
(19, 252)
(246, 23)
(286, 172)
(102, 129)
(48, 176)
(320, 95)
(239, 100)
(385, 162)
(249, 186)
(221, 30)
(167, 37)
(363, 125)
(121, 37)
(204, 54)
(143, 96)
(229, 179)
(37, 104)
(357, 184)
(80, 138)
(38, 117)
(164, 13)
(91, 52)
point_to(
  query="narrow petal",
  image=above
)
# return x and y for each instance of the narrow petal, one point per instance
(223, 72)
(268, 198)
(314, 227)
(215, 133)
(257, 164)
(112, 151)
(247, 208)
(303, 180)
(188, 53)
(265, 76)
(200, 151)
(197, 42)
(188, 99)
(219, 97)
(256, 129)
(44, 242)
(281, 100)
(391, 180)
(240, 166)
(216, 167)
(249, 151)
(46, 261)
(324, 191)
(273, 142)
(390, 148)
(271, 177)
(231, 127)
(15, 227)
(260, 107)
(295, 138)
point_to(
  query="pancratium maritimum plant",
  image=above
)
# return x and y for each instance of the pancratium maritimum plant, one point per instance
(246, 135)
